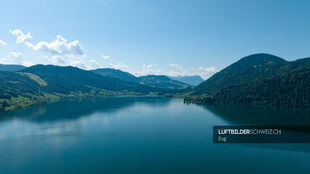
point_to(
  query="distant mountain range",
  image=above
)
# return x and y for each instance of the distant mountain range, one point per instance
(255, 79)
(66, 80)
(156, 81)
(6, 67)
(191, 80)
(258, 79)
(41, 83)
(109, 72)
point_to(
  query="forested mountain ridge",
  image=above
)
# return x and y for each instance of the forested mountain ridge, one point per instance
(11, 67)
(161, 81)
(41, 83)
(69, 79)
(274, 82)
(110, 72)
(16, 90)
(156, 81)
(247, 69)
(255, 79)
(289, 89)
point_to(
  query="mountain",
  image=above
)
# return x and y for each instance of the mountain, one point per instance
(289, 89)
(7, 67)
(161, 81)
(14, 84)
(66, 80)
(109, 72)
(191, 80)
(155, 81)
(17, 90)
(41, 83)
(258, 79)
(247, 69)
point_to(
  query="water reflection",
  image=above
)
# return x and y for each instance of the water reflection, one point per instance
(264, 115)
(260, 115)
(138, 135)
(67, 119)
(74, 109)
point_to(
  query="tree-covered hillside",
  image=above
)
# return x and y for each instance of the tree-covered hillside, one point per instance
(6, 67)
(69, 79)
(110, 72)
(156, 81)
(247, 69)
(161, 81)
(17, 90)
(289, 89)
(41, 83)
(262, 79)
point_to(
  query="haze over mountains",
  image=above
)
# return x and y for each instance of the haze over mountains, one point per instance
(191, 80)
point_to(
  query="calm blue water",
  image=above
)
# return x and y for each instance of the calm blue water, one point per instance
(143, 135)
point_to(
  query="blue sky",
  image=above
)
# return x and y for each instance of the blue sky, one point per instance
(152, 37)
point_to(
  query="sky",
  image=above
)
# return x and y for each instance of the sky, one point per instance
(152, 37)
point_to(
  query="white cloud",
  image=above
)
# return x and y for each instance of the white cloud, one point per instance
(61, 52)
(58, 47)
(147, 69)
(177, 70)
(77, 61)
(210, 69)
(58, 60)
(148, 66)
(84, 63)
(120, 66)
(176, 66)
(3, 43)
(16, 55)
(105, 57)
(20, 36)
(206, 72)
(15, 58)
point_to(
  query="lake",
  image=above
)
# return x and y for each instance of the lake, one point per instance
(143, 135)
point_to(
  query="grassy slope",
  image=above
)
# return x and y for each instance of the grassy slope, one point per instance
(42, 83)
(17, 90)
